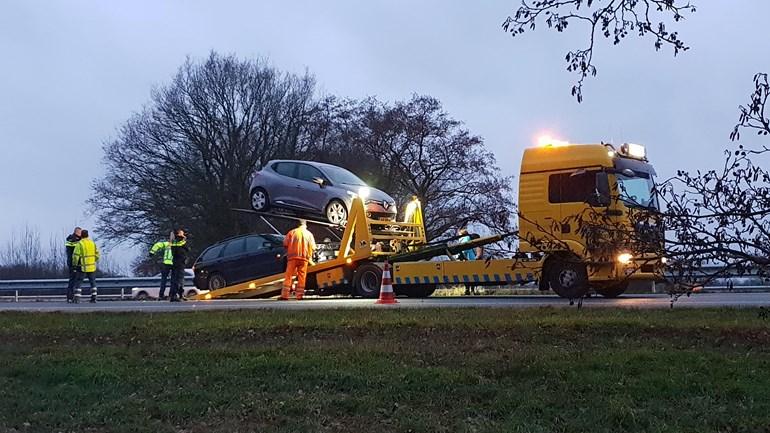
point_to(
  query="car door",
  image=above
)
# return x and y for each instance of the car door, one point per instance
(262, 259)
(310, 194)
(234, 261)
(283, 190)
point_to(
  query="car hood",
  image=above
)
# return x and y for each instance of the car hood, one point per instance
(376, 194)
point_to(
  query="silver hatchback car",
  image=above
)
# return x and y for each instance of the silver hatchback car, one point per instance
(316, 188)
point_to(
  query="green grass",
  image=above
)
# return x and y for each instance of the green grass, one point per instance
(548, 370)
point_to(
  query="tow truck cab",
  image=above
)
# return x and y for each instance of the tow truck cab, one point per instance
(560, 184)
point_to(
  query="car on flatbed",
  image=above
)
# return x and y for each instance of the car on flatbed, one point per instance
(316, 188)
(238, 259)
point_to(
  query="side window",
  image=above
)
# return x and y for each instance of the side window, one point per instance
(212, 253)
(233, 248)
(254, 244)
(308, 172)
(285, 168)
(566, 188)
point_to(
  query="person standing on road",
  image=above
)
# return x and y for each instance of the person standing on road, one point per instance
(469, 254)
(84, 257)
(166, 267)
(69, 246)
(179, 252)
(300, 245)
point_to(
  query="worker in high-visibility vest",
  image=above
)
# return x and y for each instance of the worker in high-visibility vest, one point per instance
(179, 252)
(69, 247)
(166, 267)
(85, 256)
(300, 245)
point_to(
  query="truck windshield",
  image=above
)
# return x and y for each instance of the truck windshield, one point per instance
(637, 191)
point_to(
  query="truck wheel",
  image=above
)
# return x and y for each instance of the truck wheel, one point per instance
(142, 296)
(568, 277)
(367, 280)
(612, 291)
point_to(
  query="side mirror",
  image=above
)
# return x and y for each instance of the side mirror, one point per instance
(268, 245)
(319, 181)
(627, 172)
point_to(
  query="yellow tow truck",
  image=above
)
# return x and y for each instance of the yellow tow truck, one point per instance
(557, 180)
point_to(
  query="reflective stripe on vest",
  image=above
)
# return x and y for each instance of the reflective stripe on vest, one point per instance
(168, 256)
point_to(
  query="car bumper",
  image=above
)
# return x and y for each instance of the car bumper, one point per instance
(377, 210)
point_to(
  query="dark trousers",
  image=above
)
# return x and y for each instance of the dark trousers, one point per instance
(79, 280)
(177, 283)
(165, 273)
(73, 275)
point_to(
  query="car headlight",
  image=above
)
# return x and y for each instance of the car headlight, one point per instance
(625, 258)
(363, 192)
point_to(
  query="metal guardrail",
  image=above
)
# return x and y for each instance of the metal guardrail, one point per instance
(109, 288)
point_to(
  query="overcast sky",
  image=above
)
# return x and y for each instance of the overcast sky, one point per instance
(73, 71)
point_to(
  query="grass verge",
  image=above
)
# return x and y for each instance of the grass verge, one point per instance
(445, 370)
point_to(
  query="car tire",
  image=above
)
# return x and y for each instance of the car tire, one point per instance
(568, 276)
(192, 293)
(142, 296)
(260, 200)
(216, 282)
(336, 212)
(367, 280)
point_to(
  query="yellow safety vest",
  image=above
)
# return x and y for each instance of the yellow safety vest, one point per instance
(86, 255)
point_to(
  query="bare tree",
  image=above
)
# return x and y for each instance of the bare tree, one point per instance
(415, 148)
(186, 159)
(610, 19)
(24, 256)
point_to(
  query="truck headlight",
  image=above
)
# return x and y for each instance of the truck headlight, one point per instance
(625, 258)
(664, 260)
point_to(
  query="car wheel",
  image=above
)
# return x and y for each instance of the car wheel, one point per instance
(336, 213)
(367, 280)
(260, 201)
(142, 296)
(192, 293)
(568, 277)
(217, 281)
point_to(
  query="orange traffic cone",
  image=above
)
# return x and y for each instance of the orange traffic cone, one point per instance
(386, 289)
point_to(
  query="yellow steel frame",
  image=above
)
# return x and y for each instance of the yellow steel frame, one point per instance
(359, 242)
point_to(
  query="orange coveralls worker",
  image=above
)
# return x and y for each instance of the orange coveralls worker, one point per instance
(299, 244)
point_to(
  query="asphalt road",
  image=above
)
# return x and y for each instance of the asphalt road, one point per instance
(700, 300)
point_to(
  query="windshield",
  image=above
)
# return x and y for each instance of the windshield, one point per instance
(637, 191)
(339, 175)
